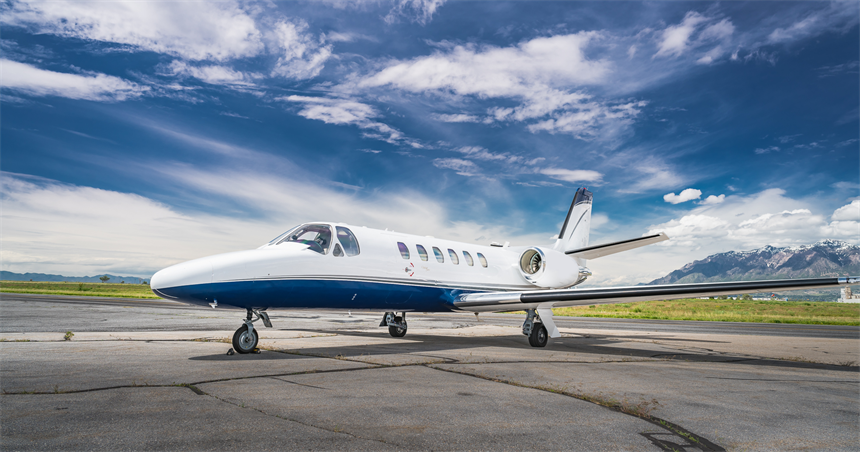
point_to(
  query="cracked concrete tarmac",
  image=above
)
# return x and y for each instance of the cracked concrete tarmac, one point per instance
(328, 380)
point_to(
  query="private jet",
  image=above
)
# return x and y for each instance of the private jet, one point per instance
(324, 265)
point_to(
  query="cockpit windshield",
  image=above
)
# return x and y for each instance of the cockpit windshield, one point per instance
(316, 236)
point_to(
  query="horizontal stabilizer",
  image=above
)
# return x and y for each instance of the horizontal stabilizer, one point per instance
(595, 251)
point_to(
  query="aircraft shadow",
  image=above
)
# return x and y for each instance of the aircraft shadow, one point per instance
(422, 344)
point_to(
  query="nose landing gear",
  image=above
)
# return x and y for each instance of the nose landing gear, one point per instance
(245, 339)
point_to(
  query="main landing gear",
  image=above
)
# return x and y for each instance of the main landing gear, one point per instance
(245, 338)
(539, 327)
(396, 323)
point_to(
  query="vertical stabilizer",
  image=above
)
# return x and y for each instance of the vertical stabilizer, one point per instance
(577, 225)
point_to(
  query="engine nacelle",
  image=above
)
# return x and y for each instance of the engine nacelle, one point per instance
(551, 269)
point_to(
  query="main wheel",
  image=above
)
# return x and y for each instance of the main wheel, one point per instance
(243, 341)
(538, 338)
(397, 331)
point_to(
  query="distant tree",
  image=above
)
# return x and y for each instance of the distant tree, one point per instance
(122, 282)
(723, 297)
(746, 296)
(104, 278)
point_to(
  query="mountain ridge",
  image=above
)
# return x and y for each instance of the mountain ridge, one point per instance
(826, 258)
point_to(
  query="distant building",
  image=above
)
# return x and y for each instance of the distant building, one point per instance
(848, 296)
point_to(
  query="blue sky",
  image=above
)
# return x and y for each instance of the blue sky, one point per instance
(138, 135)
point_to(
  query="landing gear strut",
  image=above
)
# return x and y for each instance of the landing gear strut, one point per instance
(396, 323)
(245, 338)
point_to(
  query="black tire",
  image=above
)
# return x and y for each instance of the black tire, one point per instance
(539, 336)
(244, 342)
(396, 331)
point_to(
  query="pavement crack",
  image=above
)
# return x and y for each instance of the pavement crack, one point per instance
(635, 411)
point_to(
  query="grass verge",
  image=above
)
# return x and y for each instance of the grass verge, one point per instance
(758, 311)
(80, 289)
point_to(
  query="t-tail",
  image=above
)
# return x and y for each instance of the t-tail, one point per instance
(577, 225)
(573, 238)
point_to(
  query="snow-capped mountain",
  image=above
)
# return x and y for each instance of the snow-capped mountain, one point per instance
(825, 258)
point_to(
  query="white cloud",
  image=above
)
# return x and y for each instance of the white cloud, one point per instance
(849, 212)
(31, 80)
(213, 74)
(572, 176)
(674, 39)
(765, 218)
(460, 166)
(834, 16)
(345, 111)
(713, 200)
(194, 31)
(766, 150)
(688, 194)
(479, 153)
(677, 40)
(420, 11)
(302, 57)
(542, 74)
(457, 118)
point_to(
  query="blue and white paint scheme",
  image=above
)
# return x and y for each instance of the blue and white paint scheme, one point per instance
(339, 266)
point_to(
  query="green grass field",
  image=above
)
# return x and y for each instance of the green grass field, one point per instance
(82, 289)
(821, 313)
(817, 313)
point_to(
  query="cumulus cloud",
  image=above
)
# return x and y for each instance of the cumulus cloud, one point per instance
(194, 31)
(31, 80)
(850, 212)
(713, 200)
(420, 11)
(688, 194)
(765, 218)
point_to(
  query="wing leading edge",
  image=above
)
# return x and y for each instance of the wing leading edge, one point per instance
(509, 301)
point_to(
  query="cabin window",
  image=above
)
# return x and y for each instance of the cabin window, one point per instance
(453, 256)
(316, 236)
(422, 253)
(347, 239)
(483, 260)
(468, 258)
(404, 251)
(439, 256)
(337, 251)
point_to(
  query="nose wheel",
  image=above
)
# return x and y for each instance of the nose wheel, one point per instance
(245, 339)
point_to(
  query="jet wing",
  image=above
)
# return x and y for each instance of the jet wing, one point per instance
(514, 301)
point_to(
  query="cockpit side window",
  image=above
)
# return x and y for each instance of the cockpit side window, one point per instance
(277, 239)
(316, 236)
(337, 251)
(348, 240)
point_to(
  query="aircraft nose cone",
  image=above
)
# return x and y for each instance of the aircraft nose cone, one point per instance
(197, 271)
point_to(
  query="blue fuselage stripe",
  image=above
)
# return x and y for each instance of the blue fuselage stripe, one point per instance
(317, 294)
